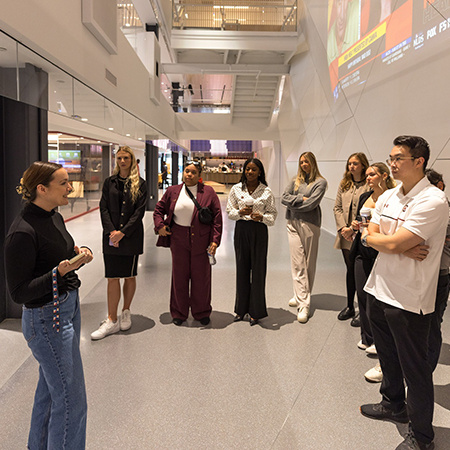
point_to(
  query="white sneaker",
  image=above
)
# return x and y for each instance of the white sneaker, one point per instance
(125, 320)
(303, 314)
(361, 345)
(375, 375)
(293, 302)
(106, 327)
(371, 350)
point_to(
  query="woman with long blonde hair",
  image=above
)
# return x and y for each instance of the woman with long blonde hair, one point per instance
(378, 180)
(352, 185)
(122, 208)
(302, 198)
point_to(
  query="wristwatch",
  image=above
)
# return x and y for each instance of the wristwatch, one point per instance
(364, 241)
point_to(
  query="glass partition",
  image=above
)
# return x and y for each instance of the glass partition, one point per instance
(8, 67)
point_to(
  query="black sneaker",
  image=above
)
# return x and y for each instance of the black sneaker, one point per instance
(205, 321)
(380, 412)
(411, 443)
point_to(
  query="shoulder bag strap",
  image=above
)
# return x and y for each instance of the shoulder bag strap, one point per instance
(196, 203)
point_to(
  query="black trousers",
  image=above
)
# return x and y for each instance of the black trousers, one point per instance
(350, 278)
(401, 338)
(250, 245)
(435, 339)
(363, 267)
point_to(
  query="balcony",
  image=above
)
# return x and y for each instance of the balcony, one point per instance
(235, 15)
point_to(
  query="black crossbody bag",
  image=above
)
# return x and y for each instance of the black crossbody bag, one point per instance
(205, 215)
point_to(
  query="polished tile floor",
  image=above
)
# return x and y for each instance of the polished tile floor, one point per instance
(279, 385)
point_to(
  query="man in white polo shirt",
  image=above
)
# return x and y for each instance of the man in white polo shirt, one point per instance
(402, 290)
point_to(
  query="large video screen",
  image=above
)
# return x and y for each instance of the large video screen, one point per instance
(391, 32)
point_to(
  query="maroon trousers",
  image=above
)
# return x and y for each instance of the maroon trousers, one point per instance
(191, 275)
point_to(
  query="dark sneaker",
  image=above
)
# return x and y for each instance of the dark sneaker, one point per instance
(411, 443)
(380, 412)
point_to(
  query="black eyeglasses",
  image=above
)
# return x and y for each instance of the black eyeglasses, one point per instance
(396, 159)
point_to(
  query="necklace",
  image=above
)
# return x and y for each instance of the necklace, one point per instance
(251, 190)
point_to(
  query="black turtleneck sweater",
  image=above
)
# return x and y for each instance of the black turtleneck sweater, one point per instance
(37, 242)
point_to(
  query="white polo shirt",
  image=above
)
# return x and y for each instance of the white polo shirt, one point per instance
(396, 279)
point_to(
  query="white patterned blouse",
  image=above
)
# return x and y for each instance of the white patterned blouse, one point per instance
(264, 203)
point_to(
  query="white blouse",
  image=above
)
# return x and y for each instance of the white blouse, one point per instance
(184, 208)
(264, 203)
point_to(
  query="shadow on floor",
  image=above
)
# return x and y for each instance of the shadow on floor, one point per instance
(444, 357)
(12, 325)
(277, 317)
(327, 302)
(219, 320)
(140, 324)
(442, 395)
(441, 437)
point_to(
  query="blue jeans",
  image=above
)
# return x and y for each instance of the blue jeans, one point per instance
(59, 413)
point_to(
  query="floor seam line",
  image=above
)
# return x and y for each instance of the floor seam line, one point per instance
(301, 389)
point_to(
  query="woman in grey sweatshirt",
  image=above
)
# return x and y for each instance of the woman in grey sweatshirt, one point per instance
(302, 198)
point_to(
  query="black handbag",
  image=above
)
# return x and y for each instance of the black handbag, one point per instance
(205, 215)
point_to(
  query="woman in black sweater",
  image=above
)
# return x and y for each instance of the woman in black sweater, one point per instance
(40, 276)
(122, 208)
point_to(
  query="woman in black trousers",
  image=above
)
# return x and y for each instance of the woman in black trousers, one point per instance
(122, 208)
(378, 180)
(252, 204)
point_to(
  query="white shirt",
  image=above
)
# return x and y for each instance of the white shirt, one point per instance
(264, 203)
(184, 208)
(396, 279)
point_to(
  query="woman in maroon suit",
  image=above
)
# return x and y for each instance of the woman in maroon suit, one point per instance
(177, 216)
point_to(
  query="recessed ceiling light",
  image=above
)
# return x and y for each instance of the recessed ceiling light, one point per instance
(83, 119)
(110, 128)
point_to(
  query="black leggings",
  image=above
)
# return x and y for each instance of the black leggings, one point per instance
(350, 278)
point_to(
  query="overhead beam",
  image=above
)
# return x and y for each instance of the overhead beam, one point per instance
(262, 69)
(234, 40)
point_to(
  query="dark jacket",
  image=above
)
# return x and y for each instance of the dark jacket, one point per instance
(357, 247)
(125, 217)
(200, 233)
(36, 243)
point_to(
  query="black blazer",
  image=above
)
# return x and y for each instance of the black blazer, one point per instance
(357, 247)
(125, 217)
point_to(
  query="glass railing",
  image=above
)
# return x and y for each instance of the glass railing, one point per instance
(235, 15)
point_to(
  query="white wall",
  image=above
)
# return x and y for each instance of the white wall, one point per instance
(53, 28)
(407, 97)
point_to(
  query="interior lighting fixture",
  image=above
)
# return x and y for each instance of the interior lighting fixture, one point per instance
(84, 119)
(128, 134)
(111, 129)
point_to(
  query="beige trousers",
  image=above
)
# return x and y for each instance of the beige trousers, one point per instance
(303, 245)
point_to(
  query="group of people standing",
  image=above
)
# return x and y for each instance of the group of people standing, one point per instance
(391, 240)
(395, 243)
